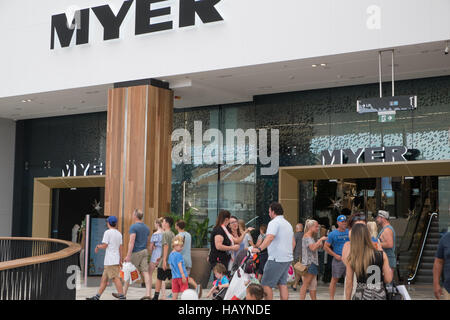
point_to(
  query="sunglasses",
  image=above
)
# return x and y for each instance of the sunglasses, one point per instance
(359, 218)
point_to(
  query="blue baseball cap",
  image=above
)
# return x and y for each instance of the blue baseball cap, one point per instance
(341, 218)
(112, 221)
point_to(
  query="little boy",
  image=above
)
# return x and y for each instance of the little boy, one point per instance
(178, 268)
(112, 243)
(255, 292)
(222, 281)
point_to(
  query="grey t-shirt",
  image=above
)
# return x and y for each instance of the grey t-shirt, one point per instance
(298, 245)
(309, 256)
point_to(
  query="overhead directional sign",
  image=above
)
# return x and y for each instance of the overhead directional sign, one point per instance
(387, 116)
(396, 103)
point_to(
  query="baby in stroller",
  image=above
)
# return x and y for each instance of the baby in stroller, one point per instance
(221, 284)
(242, 274)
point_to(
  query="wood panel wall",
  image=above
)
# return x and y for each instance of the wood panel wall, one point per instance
(138, 154)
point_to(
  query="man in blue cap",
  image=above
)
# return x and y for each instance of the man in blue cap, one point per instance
(112, 243)
(333, 246)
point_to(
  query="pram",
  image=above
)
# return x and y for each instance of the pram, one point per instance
(242, 273)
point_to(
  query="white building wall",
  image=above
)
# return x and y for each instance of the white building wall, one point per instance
(253, 32)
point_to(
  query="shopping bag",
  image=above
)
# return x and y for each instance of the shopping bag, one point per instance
(404, 292)
(129, 273)
(291, 274)
(238, 285)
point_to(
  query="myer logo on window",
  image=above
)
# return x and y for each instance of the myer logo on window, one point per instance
(65, 24)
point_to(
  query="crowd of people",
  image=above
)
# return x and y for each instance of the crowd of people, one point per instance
(362, 256)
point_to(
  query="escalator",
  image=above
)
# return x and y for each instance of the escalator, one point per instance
(418, 249)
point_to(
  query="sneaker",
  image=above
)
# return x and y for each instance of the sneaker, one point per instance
(94, 298)
(199, 290)
(170, 296)
(118, 296)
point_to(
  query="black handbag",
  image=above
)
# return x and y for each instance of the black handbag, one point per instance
(392, 292)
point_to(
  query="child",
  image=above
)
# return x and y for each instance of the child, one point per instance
(178, 268)
(264, 255)
(255, 292)
(222, 281)
(112, 242)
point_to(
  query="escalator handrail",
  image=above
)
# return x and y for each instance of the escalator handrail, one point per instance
(410, 279)
(416, 221)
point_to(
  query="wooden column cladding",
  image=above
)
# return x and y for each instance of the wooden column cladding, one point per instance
(138, 154)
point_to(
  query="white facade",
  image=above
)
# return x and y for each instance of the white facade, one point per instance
(253, 32)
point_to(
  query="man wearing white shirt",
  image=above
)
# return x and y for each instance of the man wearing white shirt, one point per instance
(280, 244)
(112, 243)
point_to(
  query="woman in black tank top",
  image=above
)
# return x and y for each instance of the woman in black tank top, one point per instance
(370, 266)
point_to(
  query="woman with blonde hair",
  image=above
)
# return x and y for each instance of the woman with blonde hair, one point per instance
(310, 259)
(247, 241)
(156, 253)
(368, 264)
(373, 230)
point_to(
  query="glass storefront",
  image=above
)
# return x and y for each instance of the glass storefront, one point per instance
(308, 123)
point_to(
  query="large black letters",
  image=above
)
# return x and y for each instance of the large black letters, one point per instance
(144, 13)
(204, 8)
(60, 26)
(111, 23)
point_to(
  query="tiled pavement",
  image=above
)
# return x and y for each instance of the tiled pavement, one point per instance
(135, 292)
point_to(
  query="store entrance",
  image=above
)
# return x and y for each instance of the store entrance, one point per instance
(402, 197)
(70, 207)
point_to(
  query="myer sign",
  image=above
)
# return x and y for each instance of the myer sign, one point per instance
(64, 27)
(369, 155)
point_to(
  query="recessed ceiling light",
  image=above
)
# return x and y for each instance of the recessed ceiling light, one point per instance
(314, 65)
(323, 64)
(26, 100)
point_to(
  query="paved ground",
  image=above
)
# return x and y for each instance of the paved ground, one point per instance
(417, 292)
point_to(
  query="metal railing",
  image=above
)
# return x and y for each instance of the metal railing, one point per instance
(36, 269)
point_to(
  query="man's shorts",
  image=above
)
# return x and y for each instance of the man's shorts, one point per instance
(179, 286)
(275, 273)
(112, 271)
(337, 269)
(140, 260)
(164, 275)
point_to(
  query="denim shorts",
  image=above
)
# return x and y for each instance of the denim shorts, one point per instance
(313, 269)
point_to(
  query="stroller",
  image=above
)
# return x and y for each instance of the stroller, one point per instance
(243, 272)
